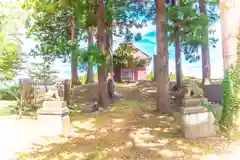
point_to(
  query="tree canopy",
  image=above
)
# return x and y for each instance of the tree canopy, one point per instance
(11, 25)
(186, 22)
(124, 57)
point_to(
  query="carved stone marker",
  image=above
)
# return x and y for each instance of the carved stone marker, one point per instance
(53, 118)
(195, 119)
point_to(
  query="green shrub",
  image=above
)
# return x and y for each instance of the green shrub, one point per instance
(231, 96)
(172, 76)
(83, 78)
(231, 99)
(150, 76)
(7, 93)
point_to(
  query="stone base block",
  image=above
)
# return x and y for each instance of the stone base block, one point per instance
(197, 123)
(54, 121)
(193, 101)
(177, 115)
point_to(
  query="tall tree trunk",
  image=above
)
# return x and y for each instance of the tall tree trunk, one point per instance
(161, 59)
(206, 72)
(90, 65)
(178, 60)
(178, 63)
(229, 32)
(102, 69)
(109, 46)
(109, 43)
(74, 63)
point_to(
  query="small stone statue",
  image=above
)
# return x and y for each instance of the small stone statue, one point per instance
(51, 95)
(191, 89)
(60, 89)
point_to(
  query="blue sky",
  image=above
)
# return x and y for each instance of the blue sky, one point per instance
(148, 45)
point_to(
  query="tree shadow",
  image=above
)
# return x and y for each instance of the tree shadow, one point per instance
(128, 130)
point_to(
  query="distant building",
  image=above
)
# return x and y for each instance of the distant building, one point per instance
(136, 73)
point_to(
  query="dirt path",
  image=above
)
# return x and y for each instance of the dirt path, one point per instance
(232, 152)
(130, 130)
(16, 136)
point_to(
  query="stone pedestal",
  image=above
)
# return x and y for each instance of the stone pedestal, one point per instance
(196, 122)
(53, 119)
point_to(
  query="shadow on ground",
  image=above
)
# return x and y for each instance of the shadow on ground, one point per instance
(130, 129)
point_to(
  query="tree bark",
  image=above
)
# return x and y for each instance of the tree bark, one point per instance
(109, 46)
(74, 63)
(229, 32)
(178, 63)
(162, 80)
(90, 65)
(206, 72)
(109, 43)
(178, 60)
(102, 69)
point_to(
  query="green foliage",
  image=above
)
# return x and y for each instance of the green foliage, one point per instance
(121, 16)
(42, 71)
(231, 94)
(83, 79)
(124, 58)
(10, 92)
(49, 23)
(172, 76)
(230, 99)
(150, 76)
(186, 22)
(189, 25)
(11, 21)
(53, 41)
(92, 55)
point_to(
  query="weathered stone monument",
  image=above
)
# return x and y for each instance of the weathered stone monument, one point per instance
(53, 118)
(195, 119)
